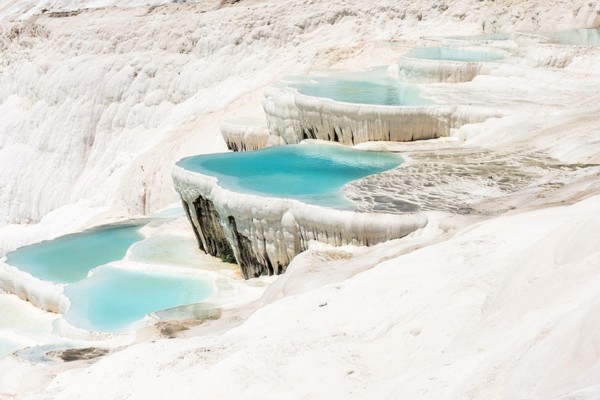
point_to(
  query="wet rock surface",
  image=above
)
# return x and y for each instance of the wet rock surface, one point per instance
(263, 234)
(69, 355)
(171, 329)
(458, 180)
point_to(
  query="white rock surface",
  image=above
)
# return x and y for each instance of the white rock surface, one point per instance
(245, 134)
(96, 107)
(266, 233)
(293, 117)
(504, 309)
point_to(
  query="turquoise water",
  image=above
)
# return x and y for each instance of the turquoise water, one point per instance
(484, 36)
(454, 54)
(69, 258)
(311, 173)
(173, 250)
(174, 212)
(8, 347)
(385, 92)
(585, 37)
(112, 298)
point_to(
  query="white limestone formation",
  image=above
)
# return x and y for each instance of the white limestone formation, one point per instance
(244, 134)
(264, 234)
(422, 70)
(293, 117)
(96, 106)
(45, 295)
(415, 69)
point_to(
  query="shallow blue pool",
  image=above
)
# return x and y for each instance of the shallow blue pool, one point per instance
(387, 92)
(584, 37)
(69, 258)
(312, 173)
(483, 37)
(455, 54)
(8, 346)
(113, 298)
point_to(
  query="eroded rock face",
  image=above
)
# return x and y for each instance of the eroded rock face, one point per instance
(219, 236)
(212, 238)
(219, 240)
(425, 71)
(241, 136)
(293, 117)
(263, 234)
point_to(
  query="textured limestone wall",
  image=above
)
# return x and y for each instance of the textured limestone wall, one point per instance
(264, 234)
(293, 117)
(243, 137)
(421, 70)
(45, 295)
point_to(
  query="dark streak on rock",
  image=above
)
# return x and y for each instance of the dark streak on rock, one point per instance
(223, 240)
(233, 146)
(247, 260)
(63, 14)
(189, 217)
(210, 228)
(69, 355)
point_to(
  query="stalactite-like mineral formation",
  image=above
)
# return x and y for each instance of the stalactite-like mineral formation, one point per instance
(293, 117)
(263, 234)
(244, 135)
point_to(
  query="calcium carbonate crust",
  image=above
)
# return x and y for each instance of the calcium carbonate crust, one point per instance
(263, 234)
(293, 117)
(45, 295)
(242, 137)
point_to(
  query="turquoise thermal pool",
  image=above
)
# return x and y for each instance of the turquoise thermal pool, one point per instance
(455, 54)
(103, 297)
(483, 37)
(69, 258)
(113, 298)
(314, 174)
(7, 346)
(386, 92)
(584, 37)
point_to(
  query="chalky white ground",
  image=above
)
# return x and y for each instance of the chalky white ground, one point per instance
(96, 107)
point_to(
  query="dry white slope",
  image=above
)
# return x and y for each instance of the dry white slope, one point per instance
(505, 309)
